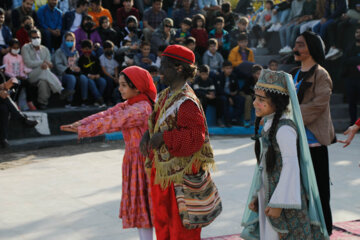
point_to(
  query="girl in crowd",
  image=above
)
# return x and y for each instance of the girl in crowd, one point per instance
(284, 199)
(130, 117)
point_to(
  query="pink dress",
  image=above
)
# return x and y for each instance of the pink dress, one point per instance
(132, 120)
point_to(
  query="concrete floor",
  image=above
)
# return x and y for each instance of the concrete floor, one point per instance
(75, 195)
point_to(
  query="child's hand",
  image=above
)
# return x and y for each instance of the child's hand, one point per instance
(254, 205)
(70, 127)
(273, 212)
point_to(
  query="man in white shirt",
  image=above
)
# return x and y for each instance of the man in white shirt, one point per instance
(72, 19)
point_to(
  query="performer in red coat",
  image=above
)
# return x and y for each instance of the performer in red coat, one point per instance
(177, 142)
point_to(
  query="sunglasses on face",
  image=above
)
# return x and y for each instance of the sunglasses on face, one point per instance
(168, 26)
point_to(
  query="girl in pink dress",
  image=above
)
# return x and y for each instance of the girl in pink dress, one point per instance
(130, 117)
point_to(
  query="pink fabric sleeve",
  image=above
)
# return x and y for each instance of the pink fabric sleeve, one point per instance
(189, 135)
(8, 66)
(119, 117)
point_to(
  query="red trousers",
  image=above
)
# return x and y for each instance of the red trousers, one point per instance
(167, 221)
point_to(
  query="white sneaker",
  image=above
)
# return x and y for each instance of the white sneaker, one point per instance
(287, 49)
(332, 52)
(261, 43)
(277, 27)
(336, 56)
(281, 50)
(271, 29)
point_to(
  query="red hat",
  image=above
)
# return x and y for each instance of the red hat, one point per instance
(180, 53)
(142, 80)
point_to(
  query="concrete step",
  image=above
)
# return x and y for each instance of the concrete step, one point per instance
(340, 111)
(50, 122)
(336, 98)
(286, 67)
(261, 51)
(265, 59)
(341, 125)
(49, 141)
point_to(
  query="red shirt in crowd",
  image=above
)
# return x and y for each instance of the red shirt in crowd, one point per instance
(23, 36)
(121, 16)
(201, 37)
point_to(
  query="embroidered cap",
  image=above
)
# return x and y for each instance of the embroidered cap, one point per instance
(180, 53)
(272, 81)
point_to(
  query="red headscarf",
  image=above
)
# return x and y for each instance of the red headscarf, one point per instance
(143, 81)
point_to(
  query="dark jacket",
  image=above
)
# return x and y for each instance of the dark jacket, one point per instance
(89, 65)
(109, 34)
(7, 35)
(220, 84)
(351, 62)
(67, 21)
(340, 8)
(16, 18)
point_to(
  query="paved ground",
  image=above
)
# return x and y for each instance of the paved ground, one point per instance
(73, 192)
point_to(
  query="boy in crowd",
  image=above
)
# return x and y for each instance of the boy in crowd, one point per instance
(204, 87)
(154, 72)
(145, 59)
(126, 54)
(183, 32)
(160, 51)
(273, 65)
(242, 25)
(91, 69)
(221, 35)
(110, 69)
(227, 89)
(228, 15)
(190, 43)
(212, 57)
(5, 35)
(247, 91)
(241, 53)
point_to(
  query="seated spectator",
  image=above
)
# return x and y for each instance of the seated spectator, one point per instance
(222, 36)
(183, 32)
(110, 69)
(126, 54)
(18, 14)
(91, 69)
(242, 26)
(37, 58)
(280, 17)
(65, 60)
(145, 59)
(87, 32)
(159, 53)
(263, 23)
(246, 90)
(199, 33)
(285, 30)
(97, 11)
(209, 8)
(212, 57)
(333, 11)
(309, 12)
(190, 43)
(8, 106)
(50, 22)
(152, 18)
(154, 72)
(131, 33)
(106, 32)
(15, 67)
(228, 15)
(23, 33)
(227, 89)
(72, 19)
(319, 13)
(243, 7)
(184, 9)
(5, 36)
(351, 73)
(124, 12)
(273, 65)
(163, 35)
(63, 5)
(241, 52)
(204, 87)
(337, 29)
